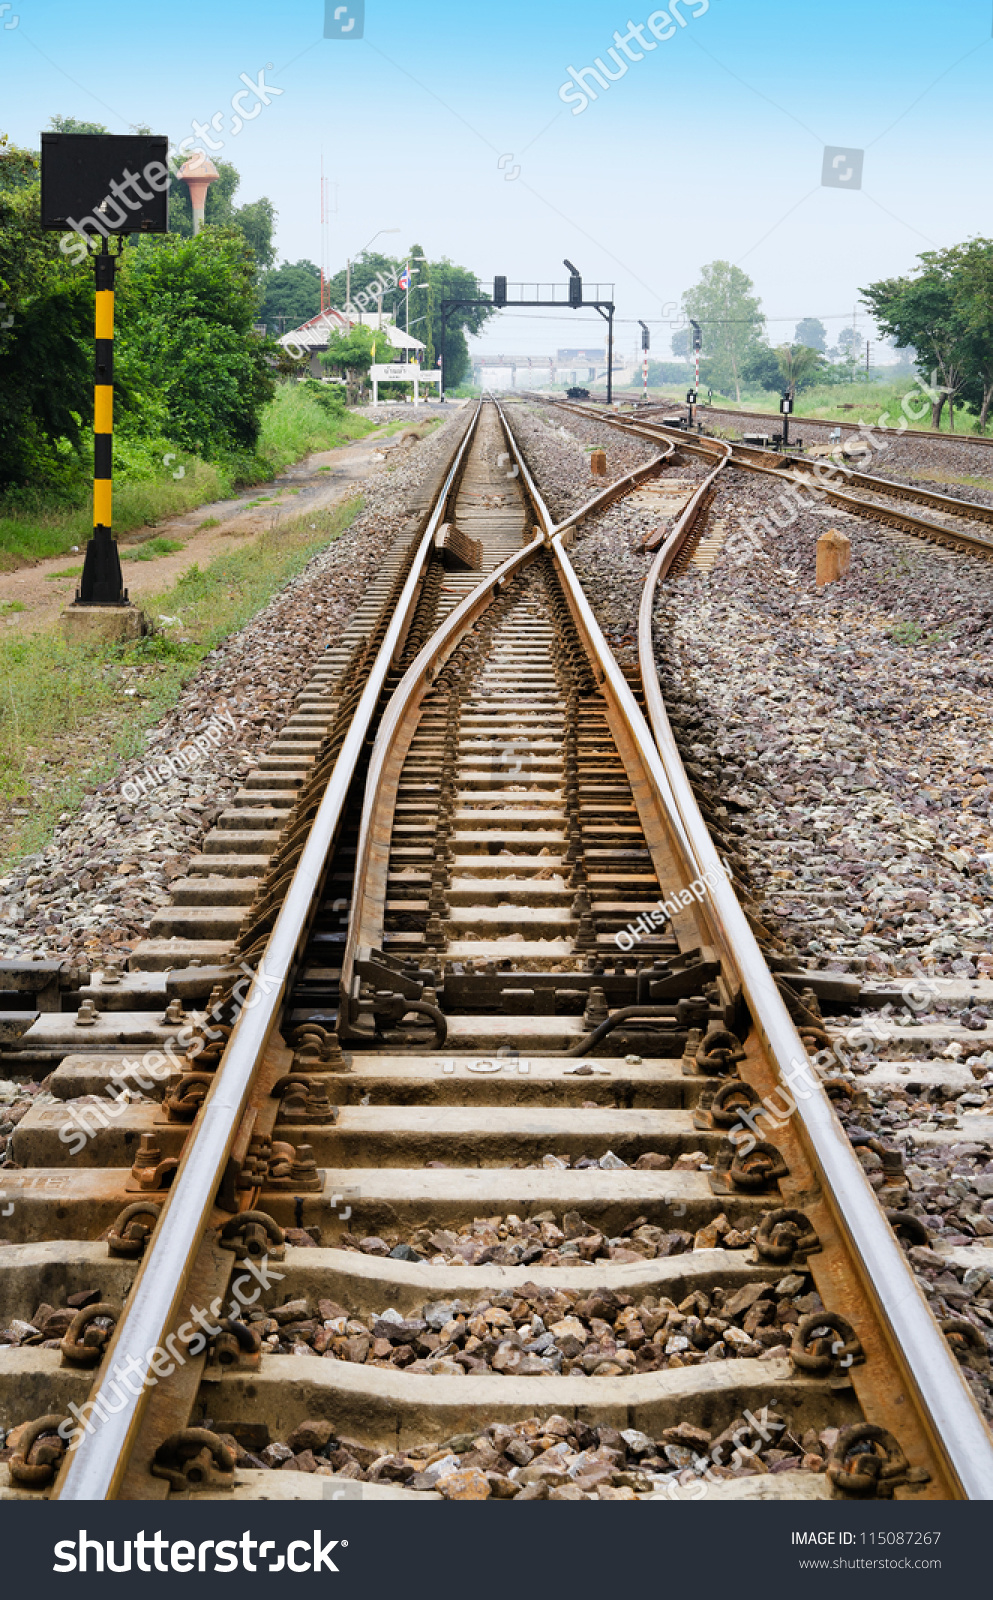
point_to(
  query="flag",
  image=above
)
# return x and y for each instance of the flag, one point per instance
(403, 282)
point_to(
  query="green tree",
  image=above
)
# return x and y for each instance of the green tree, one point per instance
(925, 309)
(371, 274)
(46, 340)
(682, 343)
(972, 267)
(257, 220)
(291, 295)
(449, 281)
(799, 366)
(810, 331)
(186, 314)
(731, 320)
(73, 125)
(761, 366)
(353, 353)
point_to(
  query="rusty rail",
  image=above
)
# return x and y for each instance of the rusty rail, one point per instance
(95, 1469)
(919, 1349)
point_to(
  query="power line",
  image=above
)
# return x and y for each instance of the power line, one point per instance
(664, 322)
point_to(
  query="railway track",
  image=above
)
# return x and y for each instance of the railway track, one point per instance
(953, 522)
(442, 1126)
(817, 422)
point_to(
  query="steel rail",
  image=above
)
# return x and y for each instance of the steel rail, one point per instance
(906, 432)
(894, 489)
(396, 727)
(908, 521)
(958, 1435)
(956, 1429)
(97, 1465)
(854, 427)
(749, 459)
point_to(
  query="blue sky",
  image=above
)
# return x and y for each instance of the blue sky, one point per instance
(710, 146)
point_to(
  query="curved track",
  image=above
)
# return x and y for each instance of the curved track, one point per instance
(424, 1016)
(860, 493)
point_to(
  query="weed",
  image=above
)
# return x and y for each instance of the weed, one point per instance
(910, 633)
(65, 723)
(906, 633)
(151, 549)
(7, 606)
(294, 423)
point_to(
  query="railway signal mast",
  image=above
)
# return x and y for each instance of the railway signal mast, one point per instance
(645, 346)
(545, 295)
(85, 177)
(691, 398)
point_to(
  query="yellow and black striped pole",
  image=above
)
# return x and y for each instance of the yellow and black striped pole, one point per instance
(102, 582)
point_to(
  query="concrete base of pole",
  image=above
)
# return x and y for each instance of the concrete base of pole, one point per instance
(107, 624)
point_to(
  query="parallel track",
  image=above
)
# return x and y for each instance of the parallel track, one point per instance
(864, 494)
(829, 423)
(485, 797)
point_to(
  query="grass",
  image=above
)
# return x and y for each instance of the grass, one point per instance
(293, 424)
(848, 402)
(208, 522)
(151, 549)
(296, 423)
(399, 424)
(66, 720)
(7, 606)
(971, 478)
(911, 633)
(28, 536)
(67, 572)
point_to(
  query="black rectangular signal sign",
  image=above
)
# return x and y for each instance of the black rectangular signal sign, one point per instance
(105, 182)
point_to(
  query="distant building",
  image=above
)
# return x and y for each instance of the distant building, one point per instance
(315, 336)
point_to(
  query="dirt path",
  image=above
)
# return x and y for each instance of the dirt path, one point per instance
(317, 481)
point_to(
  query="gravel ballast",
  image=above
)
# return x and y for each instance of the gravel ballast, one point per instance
(559, 1458)
(106, 871)
(556, 445)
